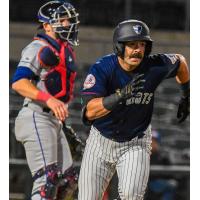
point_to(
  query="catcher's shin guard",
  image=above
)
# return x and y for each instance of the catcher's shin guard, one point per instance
(53, 177)
(68, 185)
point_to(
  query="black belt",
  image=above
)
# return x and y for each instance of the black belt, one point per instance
(47, 110)
(125, 139)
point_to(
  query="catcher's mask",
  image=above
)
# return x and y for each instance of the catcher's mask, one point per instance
(128, 31)
(54, 12)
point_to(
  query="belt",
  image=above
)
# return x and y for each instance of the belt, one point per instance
(46, 110)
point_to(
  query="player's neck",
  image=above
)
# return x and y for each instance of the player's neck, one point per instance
(51, 34)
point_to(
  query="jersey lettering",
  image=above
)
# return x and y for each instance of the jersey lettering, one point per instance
(140, 98)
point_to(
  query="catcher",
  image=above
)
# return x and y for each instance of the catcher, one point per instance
(45, 77)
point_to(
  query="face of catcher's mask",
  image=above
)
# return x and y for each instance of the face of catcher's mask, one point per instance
(69, 32)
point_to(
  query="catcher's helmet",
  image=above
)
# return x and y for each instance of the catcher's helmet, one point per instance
(131, 30)
(54, 11)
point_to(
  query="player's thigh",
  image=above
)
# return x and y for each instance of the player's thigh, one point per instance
(95, 172)
(39, 137)
(133, 173)
(64, 154)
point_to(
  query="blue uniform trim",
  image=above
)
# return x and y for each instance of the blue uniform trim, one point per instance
(22, 72)
(39, 140)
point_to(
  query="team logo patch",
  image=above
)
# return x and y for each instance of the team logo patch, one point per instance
(173, 58)
(89, 81)
(137, 29)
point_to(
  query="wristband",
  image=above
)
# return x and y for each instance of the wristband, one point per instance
(110, 102)
(43, 96)
(185, 88)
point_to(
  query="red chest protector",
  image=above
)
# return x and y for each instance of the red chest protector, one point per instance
(59, 81)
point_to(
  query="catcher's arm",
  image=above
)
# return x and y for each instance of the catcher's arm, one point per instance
(25, 88)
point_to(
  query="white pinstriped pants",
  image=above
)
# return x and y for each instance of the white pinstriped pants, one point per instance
(103, 156)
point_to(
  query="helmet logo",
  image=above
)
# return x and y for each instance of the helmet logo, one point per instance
(137, 29)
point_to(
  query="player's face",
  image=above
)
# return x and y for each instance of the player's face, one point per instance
(64, 22)
(134, 53)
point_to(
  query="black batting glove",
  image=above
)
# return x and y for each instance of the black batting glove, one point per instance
(183, 109)
(132, 88)
(184, 103)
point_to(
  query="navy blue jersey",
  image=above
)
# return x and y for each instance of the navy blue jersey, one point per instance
(130, 118)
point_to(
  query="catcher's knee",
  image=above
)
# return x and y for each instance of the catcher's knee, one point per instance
(68, 184)
(50, 188)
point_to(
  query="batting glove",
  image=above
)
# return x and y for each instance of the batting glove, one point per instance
(132, 88)
(184, 103)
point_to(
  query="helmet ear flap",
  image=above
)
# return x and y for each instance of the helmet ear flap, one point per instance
(119, 49)
(148, 47)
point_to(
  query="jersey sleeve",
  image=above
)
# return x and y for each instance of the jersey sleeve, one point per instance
(170, 64)
(29, 58)
(95, 82)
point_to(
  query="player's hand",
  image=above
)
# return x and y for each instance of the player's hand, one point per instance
(58, 107)
(133, 87)
(183, 108)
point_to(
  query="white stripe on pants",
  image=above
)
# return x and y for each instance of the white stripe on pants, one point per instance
(102, 156)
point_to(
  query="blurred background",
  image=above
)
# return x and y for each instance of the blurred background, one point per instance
(169, 23)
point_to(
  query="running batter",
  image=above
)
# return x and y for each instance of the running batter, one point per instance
(118, 94)
(45, 77)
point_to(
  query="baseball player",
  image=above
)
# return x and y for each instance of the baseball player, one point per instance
(118, 94)
(45, 77)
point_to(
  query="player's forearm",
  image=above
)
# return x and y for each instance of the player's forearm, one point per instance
(95, 109)
(183, 77)
(25, 88)
(183, 71)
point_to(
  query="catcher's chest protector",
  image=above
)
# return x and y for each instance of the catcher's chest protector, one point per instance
(59, 81)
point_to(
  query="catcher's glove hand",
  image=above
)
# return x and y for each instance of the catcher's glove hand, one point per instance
(183, 108)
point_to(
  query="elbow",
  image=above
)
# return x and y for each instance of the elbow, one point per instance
(14, 86)
(90, 115)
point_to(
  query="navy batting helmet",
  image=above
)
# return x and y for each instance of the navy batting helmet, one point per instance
(131, 30)
(53, 12)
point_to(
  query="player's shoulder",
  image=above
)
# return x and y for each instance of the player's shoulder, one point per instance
(33, 47)
(162, 59)
(105, 64)
(106, 61)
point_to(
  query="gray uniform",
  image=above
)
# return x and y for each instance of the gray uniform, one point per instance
(39, 130)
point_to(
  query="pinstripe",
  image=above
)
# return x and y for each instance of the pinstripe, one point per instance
(140, 182)
(87, 166)
(104, 145)
(83, 174)
(127, 165)
(90, 167)
(130, 158)
(100, 167)
(136, 171)
(138, 190)
(98, 150)
(132, 147)
(93, 169)
(123, 169)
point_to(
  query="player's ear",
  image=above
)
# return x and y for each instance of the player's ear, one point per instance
(47, 27)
